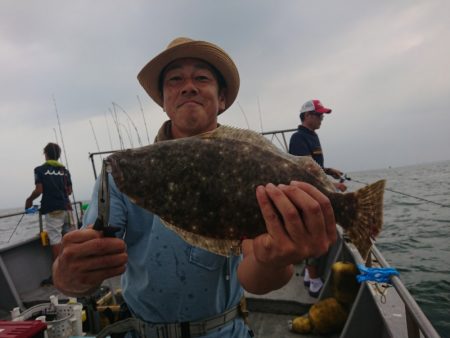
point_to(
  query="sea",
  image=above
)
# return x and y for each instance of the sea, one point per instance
(415, 238)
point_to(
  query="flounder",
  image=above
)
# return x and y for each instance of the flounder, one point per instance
(203, 187)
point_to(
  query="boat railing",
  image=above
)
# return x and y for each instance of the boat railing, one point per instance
(278, 137)
(416, 321)
(76, 204)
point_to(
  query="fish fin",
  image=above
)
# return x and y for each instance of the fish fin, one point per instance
(365, 219)
(221, 247)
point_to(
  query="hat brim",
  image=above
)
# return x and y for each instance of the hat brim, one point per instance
(149, 75)
(323, 111)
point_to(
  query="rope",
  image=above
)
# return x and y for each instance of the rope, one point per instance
(345, 177)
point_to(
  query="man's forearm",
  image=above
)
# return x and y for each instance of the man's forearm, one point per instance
(34, 194)
(259, 278)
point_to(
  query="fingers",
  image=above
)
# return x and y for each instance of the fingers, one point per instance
(326, 208)
(265, 196)
(299, 219)
(86, 259)
(88, 243)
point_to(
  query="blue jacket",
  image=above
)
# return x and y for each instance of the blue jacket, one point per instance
(305, 142)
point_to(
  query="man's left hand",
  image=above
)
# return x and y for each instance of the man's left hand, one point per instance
(337, 174)
(300, 224)
(28, 203)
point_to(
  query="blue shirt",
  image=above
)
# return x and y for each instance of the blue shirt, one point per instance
(305, 142)
(55, 180)
(168, 280)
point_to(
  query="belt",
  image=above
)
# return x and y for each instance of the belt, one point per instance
(172, 330)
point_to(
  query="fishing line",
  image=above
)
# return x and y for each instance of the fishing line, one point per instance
(31, 210)
(20, 220)
(243, 113)
(345, 177)
(143, 117)
(65, 157)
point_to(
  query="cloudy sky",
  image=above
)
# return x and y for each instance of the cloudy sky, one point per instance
(382, 66)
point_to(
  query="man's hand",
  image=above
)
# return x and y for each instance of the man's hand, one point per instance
(340, 186)
(300, 224)
(28, 203)
(337, 174)
(86, 260)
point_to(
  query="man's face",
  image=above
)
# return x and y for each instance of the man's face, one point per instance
(313, 120)
(191, 97)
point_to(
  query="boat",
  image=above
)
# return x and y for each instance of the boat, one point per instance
(378, 310)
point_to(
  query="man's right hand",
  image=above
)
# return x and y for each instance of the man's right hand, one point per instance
(86, 259)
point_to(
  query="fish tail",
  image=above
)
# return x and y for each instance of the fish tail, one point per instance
(362, 215)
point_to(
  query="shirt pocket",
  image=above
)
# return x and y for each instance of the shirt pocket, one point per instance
(206, 259)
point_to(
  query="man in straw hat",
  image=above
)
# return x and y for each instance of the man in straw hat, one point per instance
(174, 289)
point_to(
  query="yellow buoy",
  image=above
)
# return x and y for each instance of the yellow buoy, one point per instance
(327, 316)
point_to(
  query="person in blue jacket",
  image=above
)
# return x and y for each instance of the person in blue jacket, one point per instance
(305, 142)
(174, 289)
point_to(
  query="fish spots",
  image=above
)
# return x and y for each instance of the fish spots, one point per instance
(206, 186)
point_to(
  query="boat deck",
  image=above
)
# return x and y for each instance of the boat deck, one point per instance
(271, 313)
(373, 315)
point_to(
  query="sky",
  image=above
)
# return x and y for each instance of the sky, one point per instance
(382, 66)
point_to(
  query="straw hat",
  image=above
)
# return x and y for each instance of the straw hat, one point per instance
(187, 48)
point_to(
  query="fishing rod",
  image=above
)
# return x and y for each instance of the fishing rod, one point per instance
(116, 123)
(95, 136)
(243, 113)
(143, 117)
(109, 133)
(131, 121)
(260, 115)
(65, 157)
(345, 177)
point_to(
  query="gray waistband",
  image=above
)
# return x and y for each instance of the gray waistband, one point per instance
(171, 330)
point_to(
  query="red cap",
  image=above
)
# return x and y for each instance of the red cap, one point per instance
(316, 106)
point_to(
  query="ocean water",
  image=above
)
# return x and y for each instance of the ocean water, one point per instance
(416, 234)
(414, 239)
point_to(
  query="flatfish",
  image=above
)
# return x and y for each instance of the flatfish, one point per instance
(203, 187)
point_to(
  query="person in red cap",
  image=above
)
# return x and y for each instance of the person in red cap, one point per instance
(305, 142)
